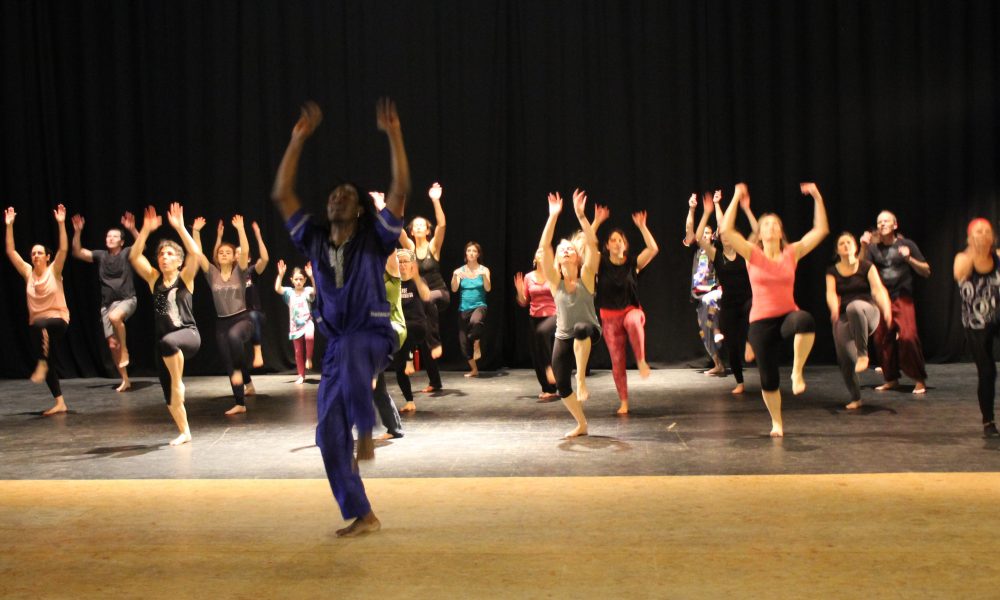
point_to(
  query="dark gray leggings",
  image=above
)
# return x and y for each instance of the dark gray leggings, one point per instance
(850, 338)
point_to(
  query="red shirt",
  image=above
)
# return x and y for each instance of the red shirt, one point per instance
(540, 300)
(773, 284)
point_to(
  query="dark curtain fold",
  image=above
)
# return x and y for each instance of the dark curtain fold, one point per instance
(109, 106)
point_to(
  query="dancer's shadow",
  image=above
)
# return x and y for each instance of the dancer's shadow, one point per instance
(124, 451)
(137, 386)
(40, 414)
(991, 444)
(788, 443)
(864, 410)
(589, 443)
(491, 374)
(443, 392)
(301, 448)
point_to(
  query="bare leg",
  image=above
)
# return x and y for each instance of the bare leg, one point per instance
(773, 402)
(118, 325)
(410, 369)
(436, 352)
(366, 524)
(477, 352)
(738, 389)
(748, 355)
(258, 357)
(113, 345)
(175, 366)
(58, 407)
(581, 350)
(550, 376)
(576, 409)
(366, 446)
(41, 370)
(623, 407)
(719, 369)
(474, 372)
(862, 365)
(802, 345)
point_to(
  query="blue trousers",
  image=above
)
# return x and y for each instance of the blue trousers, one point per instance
(344, 401)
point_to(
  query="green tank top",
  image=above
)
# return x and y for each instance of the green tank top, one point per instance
(393, 293)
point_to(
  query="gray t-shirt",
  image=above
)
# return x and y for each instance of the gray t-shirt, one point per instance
(229, 296)
(115, 274)
(574, 308)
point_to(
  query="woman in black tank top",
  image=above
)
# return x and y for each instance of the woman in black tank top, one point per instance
(428, 255)
(172, 285)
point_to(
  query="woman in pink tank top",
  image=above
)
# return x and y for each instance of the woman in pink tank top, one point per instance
(48, 315)
(774, 316)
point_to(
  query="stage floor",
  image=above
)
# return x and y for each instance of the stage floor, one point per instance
(681, 423)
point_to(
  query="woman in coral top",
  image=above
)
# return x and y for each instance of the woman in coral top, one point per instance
(533, 292)
(48, 315)
(774, 316)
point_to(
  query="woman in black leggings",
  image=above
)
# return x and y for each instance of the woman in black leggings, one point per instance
(172, 286)
(977, 272)
(774, 315)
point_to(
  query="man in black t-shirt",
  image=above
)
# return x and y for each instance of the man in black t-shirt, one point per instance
(897, 259)
(118, 301)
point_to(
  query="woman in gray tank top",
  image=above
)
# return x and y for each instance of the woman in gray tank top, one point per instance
(571, 276)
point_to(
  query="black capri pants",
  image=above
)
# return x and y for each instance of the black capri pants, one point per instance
(765, 338)
(563, 359)
(187, 341)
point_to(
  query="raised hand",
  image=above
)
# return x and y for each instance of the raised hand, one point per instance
(220, 228)
(579, 202)
(238, 222)
(308, 269)
(639, 218)
(128, 221)
(198, 224)
(555, 204)
(60, 213)
(435, 192)
(309, 120)
(281, 268)
(708, 203)
(379, 199)
(175, 215)
(745, 199)
(742, 191)
(866, 238)
(693, 201)
(78, 222)
(601, 213)
(519, 284)
(150, 220)
(386, 117)
(717, 197)
(808, 188)
(8, 215)
(256, 228)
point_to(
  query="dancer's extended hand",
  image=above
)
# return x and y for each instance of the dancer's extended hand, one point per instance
(150, 220)
(386, 117)
(435, 192)
(8, 215)
(198, 224)
(555, 204)
(59, 213)
(175, 215)
(580, 203)
(78, 222)
(309, 119)
(639, 218)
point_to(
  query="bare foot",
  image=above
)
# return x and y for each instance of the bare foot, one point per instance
(436, 352)
(582, 393)
(716, 371)
(798, 383)
(430, 390)
(888, 385)
(181, 439)
(41, 370)
(125, 386)
(60, 407)
(738, 389)
(365, 447)
(366, 524)
(473, 373)
(862, 365)
(123, 361)
(309, 364)
(548, 397)
(258, 358)
(236, 410)
(300, 381)
(408, 407)
(878, 370)
(920, 388)
(777, 430)
(385, 436)
(409, 369)
(622, 408)
(477, 352)
(578, 431)
(249, 390)
(643, 369)
(854, 405)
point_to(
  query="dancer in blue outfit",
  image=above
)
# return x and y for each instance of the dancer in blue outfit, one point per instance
(348, 258)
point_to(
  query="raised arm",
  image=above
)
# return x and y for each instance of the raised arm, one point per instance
(308, 269)
(387, 121)
(23, 269)
(59, 261)
(601, 214)
(592, 256)
(730, 235)
(196, 227)
(150, 222)
(439, 228)
(128, 222)
(545, 243)
(745, 206)
(699, 233)
(820, 228)
(651, 248)
(689, 236)
(283, 194)
(832, 299)
(219, 230)
(717, 203)
(79, 252)
(175, 216)
(244, 259)
(263, 257)
(281, 277)
(880, 294)
(520, 289)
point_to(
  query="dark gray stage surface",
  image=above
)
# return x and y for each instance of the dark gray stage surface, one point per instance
(682, 423)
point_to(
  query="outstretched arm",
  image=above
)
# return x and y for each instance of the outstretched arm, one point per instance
(283, 194)
(387, 121)
(651, 248)
(521, 289)
(699, 234)
(312, 282)
(196, 227)
(745, 205)
(545, 243)
(281, 276)
(730, 235)
(175, 216)
(439, 227)
(128, 222)
(601, 214)
(820, 228)
(63, 250)
(23, 269)
(264, 257)
(79, 252)
(244, 259)
(689, 236)
(219, 230)
(592, 255)
(140, 263)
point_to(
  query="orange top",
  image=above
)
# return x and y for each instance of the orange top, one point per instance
(46, 299)
(773, 284)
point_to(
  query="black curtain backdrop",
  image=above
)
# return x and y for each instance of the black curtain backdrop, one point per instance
(109, 106)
